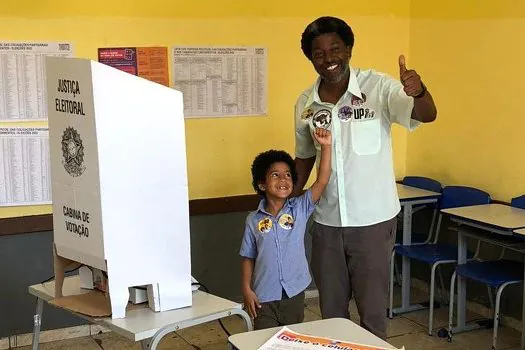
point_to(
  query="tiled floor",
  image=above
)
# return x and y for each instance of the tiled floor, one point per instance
(408, 330)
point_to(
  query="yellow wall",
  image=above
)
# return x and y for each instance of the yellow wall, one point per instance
(220, 151)
(472, 55)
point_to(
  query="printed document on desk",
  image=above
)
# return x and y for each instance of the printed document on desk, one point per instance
(290, 340)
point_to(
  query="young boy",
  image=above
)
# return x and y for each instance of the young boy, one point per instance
(274, 267)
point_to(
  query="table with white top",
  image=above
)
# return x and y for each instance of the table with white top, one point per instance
(143, 324)
(499, 221)
(334, 328)
(409, 197)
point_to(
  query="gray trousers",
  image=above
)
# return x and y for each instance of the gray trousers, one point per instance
(356, 260)
(282, 312)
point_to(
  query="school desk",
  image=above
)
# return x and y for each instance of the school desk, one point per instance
(143, 324)
(498, 221)
(333, 328)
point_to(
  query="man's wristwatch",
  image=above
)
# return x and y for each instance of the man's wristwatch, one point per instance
(423, 91)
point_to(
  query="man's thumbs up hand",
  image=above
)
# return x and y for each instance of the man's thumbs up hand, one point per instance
(410, 79)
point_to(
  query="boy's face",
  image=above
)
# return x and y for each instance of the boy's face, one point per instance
(278, 182)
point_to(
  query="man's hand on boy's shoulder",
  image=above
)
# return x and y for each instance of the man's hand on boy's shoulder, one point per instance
(251, 302)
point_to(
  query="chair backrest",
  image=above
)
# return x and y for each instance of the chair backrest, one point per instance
(424, 183)
(518, 202)
(463, 196)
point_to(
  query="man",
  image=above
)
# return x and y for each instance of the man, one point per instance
(355, 220)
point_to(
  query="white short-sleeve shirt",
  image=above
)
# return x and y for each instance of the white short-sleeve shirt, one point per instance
(362, 189)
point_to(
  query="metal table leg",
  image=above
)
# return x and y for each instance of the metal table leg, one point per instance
(155, 340)
(405, 280)
(461, 325)
(407, 239)
(37, 321)
(462, 286)
(522, 347)
(247, 319)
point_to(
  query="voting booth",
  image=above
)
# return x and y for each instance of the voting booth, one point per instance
(119, 182)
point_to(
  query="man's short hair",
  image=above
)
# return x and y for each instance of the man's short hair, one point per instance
(325, 25)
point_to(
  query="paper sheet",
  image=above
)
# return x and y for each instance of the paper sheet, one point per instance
(286, 339)
(93, 303)
(24, 166)
(22, 78)
(221, 81)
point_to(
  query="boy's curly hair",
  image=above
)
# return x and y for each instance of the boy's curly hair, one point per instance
(262, 163)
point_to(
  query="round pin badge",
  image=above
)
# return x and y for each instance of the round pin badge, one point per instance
(307, 113)
(345, 113)
(265, 225)
(356, 101)
(286, 221)
(322, 119)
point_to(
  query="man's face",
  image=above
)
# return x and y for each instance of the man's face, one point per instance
(330, 57)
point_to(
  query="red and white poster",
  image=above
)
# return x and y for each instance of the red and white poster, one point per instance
(150, 63)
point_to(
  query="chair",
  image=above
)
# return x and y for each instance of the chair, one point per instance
(424, 183)
(518, 202)
(496, 274)
(434, 253)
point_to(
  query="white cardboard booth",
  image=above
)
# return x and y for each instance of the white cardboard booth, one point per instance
(119, 182)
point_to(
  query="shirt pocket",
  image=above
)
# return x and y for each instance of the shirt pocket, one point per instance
(366, 137)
